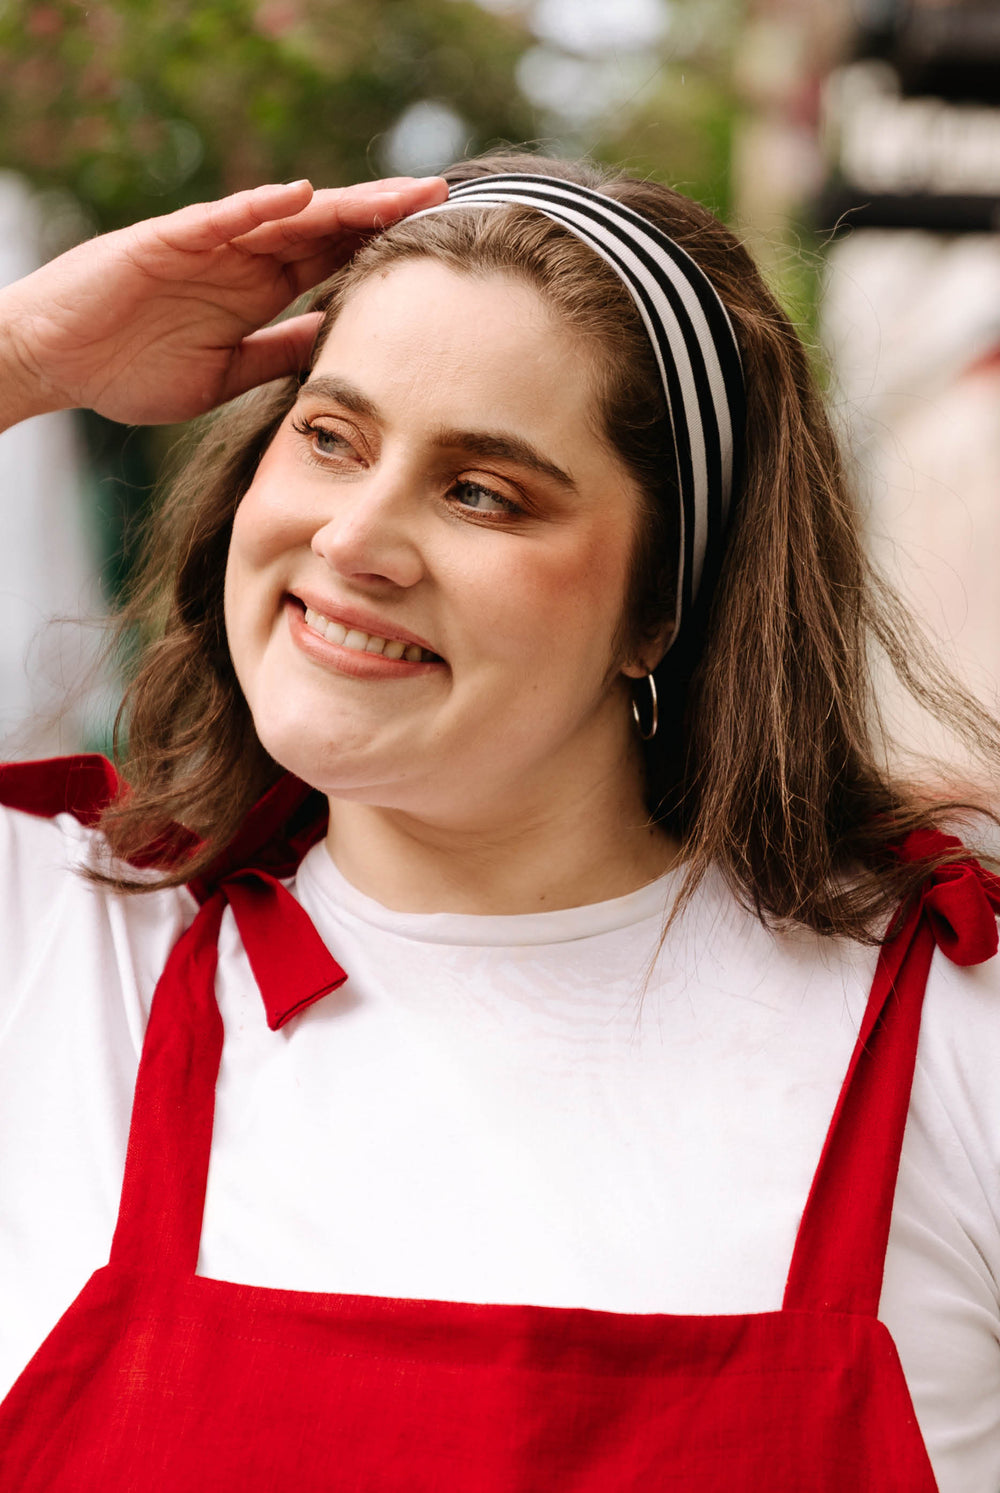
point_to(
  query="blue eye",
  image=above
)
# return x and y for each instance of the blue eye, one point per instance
(482, 499)
(328, 441)
(325, 442)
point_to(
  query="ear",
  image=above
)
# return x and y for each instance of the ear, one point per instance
(648, 654)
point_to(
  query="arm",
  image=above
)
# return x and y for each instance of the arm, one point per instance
(164, 320)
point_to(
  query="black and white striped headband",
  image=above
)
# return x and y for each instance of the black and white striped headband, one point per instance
(692, 338)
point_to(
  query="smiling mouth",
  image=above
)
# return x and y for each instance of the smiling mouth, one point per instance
(357, 641)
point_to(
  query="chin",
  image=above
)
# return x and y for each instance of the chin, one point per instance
(321, 760)
(291, 747)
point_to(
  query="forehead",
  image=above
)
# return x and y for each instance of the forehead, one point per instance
(430, 335)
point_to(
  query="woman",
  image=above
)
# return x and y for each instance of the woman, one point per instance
(529, 612)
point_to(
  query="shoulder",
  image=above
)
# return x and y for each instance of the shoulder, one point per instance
(48, 811)
(731, 941)
(82, 786)
(959, 1058)
(724, 944)
(60, 930)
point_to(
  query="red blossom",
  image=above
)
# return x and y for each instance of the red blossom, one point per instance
(44, 20)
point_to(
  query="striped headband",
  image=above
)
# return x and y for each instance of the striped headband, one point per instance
(692, 338)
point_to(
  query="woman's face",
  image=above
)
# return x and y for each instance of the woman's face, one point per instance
(428, 572)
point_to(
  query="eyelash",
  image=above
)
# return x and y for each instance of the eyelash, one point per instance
(309, 431)
(313, 433)
(510, 508)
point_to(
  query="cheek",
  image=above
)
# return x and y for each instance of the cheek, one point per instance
(266, 528)
(239, 572)
(252, 545)
(565, 601)
(263, 526)
(278, 508)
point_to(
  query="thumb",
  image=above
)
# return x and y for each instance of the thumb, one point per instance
(274, 352)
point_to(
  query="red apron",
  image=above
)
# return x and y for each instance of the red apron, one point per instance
(159, 1379)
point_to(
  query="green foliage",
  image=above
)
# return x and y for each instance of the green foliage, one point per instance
(679, 131)
(135, 107)
(138, 106)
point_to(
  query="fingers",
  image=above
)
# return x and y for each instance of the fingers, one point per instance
(409, 195)
(207, 225)
(275, 218)
(272, 353)
(333, 212)
(289, 238)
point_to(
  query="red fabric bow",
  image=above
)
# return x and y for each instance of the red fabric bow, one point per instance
(960, 900)
(290, 962)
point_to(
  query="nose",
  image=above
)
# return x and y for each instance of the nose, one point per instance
(371, 534)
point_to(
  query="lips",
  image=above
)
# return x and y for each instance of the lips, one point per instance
(363, 633)
(362, 642)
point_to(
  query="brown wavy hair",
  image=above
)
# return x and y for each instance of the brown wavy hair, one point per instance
(769, 763)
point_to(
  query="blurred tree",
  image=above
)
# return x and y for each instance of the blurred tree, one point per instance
(657, 99)
(138, 106)
(679, 131)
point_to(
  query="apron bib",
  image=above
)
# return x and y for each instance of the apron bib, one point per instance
(159, 1379)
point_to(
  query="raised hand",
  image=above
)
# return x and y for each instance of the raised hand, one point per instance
(164, 320)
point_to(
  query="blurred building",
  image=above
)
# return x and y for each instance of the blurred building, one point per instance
(880, 122)
(911, 131)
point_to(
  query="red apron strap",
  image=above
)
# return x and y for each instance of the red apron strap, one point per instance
(170, 1139)
(839, 1256)
(839, 1253)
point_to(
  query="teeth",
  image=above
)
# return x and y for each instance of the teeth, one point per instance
(363, 642)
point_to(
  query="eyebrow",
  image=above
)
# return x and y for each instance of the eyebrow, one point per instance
(504, 447)
(488, 444)
(334, 388)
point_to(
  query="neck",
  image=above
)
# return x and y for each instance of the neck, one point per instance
(546, 856)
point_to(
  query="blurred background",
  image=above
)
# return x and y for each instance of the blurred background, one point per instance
(854, 144)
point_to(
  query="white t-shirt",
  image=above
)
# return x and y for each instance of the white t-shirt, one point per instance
(503, 1109)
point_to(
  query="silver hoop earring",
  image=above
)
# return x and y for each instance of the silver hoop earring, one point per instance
(654, 712)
